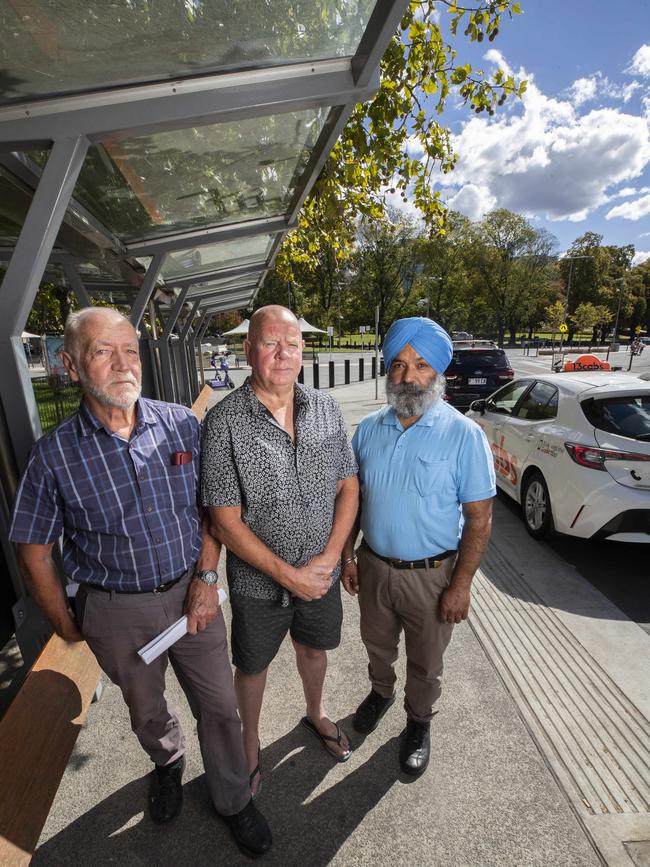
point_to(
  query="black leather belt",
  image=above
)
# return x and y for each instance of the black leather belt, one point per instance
(161, 588)
(426, 563)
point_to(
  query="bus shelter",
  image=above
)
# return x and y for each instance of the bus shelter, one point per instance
(155, 155)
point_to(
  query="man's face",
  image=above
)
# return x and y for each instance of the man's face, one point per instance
(109, 362)
(412, 385)
(275, 352)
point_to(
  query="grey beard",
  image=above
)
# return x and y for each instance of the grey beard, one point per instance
(410, 400)
(104, 397)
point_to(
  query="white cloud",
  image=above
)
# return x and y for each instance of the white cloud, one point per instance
(631, 210)
(544, 157)
(641, 256)
(640, 63)
(644, 235)
(599, 87)
(472, 201)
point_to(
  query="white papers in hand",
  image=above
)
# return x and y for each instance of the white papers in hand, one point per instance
(169, 636)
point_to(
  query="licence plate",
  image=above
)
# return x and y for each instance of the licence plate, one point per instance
(479, 381)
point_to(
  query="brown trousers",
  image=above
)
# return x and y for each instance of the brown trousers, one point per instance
(116, 626)
(392, 600)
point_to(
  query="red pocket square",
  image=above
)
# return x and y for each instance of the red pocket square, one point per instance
(179, 458)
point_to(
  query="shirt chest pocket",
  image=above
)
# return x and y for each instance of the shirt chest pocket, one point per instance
(432, 478)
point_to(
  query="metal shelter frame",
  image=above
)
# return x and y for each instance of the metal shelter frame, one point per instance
(67, 126)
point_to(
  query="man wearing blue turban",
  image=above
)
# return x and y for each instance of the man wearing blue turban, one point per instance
(427, 482)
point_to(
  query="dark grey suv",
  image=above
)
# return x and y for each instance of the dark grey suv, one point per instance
(475, 372)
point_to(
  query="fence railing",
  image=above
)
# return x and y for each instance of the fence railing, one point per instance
(57, 397)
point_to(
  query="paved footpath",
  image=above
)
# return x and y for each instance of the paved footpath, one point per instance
(540, 751)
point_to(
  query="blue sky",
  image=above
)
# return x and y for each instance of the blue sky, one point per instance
(574, 154)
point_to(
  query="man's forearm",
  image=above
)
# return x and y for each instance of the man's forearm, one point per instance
(43, 583)
(473, 542)
(238, 538)
(350, 542)
(346, 508)
(210, 545)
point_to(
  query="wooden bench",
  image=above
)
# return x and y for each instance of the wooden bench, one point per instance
(200, 405)
(37, 735)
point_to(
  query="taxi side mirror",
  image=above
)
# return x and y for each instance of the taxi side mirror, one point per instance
(478, 406)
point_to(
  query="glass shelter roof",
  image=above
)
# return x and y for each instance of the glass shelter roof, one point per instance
(54, 47)
(202, 126)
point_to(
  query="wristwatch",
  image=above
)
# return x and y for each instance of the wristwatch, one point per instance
(208, 576)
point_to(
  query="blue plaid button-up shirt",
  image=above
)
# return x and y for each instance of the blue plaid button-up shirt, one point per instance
(127, 510)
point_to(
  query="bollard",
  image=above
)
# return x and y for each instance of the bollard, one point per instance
(361, 370)
(331, 367)
(347, 371)
(382, 367)
(301, 375)
(373, 368)
(316, 375)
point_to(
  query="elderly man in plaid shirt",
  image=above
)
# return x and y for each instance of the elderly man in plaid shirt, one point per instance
(119, 480)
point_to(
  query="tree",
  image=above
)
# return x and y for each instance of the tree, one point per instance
(419, 70)
(586, 317)
(512, 264)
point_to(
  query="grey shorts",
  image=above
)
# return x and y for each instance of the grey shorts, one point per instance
(260, 625)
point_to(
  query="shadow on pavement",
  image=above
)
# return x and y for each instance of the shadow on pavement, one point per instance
(308, 827)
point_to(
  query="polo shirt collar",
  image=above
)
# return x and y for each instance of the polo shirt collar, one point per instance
(391, 418)
(89, 425)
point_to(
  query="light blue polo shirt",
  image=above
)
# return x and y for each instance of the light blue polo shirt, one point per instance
(413, 481)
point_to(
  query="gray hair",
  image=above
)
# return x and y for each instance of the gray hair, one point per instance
(75, 323)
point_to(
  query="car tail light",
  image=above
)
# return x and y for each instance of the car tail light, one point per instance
(594, 458)
(506, 374)
(450, 377)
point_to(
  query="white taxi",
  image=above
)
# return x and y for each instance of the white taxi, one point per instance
(574, 450)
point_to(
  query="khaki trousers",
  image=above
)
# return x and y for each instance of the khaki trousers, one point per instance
(116, 626)
(392, 600)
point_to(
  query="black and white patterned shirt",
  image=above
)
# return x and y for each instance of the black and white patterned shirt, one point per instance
(286, 491)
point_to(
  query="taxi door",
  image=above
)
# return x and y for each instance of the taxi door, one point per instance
(498, 414)
(524, 431)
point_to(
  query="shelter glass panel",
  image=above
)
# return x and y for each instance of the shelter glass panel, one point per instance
(166, 182)
(53, 47)
(212, 257)
(223, 287)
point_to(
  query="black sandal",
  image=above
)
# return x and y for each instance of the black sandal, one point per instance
(253, 774)
(308, 724)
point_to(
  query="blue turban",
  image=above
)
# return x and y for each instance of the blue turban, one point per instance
(429, 340)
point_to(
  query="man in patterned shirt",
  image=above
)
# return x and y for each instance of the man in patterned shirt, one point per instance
(279, 478)
(119, 480)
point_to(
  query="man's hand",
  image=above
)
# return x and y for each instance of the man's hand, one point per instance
(201, 605)
(350, 578)
(67, 628)
(454, 604)
(313, 580)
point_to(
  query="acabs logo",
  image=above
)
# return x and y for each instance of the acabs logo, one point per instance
(504, 463)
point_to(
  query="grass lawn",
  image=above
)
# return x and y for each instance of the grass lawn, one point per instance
(54, 406)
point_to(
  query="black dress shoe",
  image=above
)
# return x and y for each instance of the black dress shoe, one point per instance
(166, 791)
(250, 830)
(370, 711)
(415, 747)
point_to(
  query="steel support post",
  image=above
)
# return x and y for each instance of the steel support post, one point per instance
(146, 290)
(188, 358)
(18, 406)
(76, 284)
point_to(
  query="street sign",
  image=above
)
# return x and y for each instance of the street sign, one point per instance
(637, 330)
(330, 330)
(564, 328)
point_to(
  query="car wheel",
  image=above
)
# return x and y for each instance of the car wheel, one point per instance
(536, 506)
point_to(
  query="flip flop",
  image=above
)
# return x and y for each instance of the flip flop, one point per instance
(308, 724)
(252, 776)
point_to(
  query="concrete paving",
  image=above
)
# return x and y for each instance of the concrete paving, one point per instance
(540, 751)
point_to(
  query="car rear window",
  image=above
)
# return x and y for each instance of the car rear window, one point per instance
(627, 415)
(472, 358)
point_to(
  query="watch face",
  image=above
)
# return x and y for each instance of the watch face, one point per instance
(209, 576)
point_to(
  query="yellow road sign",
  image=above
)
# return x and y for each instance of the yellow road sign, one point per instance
(564, 328)
(637, 330)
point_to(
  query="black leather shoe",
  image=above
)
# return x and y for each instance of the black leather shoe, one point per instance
(166, 791)
(250, 830)
(415, 747)
(370, 711)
